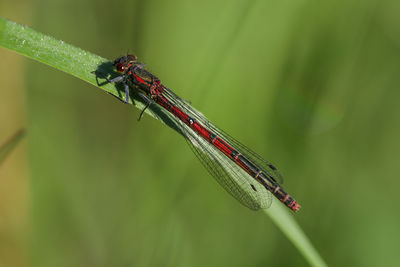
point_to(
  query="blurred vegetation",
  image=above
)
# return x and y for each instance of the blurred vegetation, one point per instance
(309, 85)
(7, 147)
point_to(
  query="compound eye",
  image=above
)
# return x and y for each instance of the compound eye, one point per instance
(120, 67)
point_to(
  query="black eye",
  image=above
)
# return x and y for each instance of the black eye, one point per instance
(252, 186)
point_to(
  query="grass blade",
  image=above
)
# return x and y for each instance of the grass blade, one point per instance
(284, 219)
(81, 64)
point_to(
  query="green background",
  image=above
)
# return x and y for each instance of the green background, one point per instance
(311, 86)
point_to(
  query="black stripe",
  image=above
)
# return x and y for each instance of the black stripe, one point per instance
(266, 178)
(234, 153)
(212, 137)
(253, 169)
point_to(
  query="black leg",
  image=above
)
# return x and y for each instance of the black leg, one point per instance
(126, 87)
(148, 103)
(126, 93)
(116, 79)
(121, 78)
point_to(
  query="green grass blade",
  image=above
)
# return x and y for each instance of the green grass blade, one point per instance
(50, 51)
(67, 58)
(8, 146)
(81, 64)
(284, 219)
(55, 53)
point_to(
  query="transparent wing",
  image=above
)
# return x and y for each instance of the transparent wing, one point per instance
(231, 177)
(257, 160)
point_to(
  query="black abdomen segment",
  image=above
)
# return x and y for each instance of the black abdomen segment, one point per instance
(267, 181)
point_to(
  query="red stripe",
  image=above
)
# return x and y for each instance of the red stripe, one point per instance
(223, 147)
(198, 128)
(140, 79)
(179, 113)
(161, 101)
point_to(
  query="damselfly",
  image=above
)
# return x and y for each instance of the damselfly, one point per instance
(239, 170)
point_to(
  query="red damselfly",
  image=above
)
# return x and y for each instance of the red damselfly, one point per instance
(239, 170)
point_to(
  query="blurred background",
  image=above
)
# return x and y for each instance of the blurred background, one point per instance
(311, 86)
